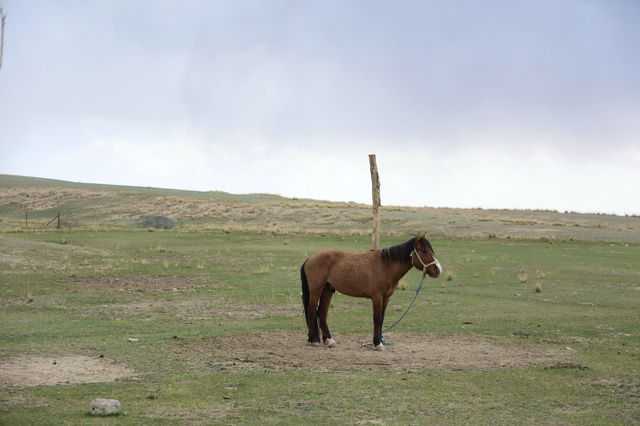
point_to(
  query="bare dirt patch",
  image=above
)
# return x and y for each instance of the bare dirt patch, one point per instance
(191, 310)
(282, 350)
(140, 283)
(69, 369)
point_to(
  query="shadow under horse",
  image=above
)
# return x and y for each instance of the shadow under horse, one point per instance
(374, 274)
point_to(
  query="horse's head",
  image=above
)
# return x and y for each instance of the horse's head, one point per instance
(423, 257)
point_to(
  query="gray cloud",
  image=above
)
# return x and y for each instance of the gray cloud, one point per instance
(423, 77)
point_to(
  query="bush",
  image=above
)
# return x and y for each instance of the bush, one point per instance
(157, 222)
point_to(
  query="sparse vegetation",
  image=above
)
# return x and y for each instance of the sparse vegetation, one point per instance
(156, 222)
(214, 313)
(402, 285)
(105, 207)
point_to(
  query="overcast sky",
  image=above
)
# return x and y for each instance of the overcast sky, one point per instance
(493, 104)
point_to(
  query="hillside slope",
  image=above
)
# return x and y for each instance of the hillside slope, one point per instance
(84, 205)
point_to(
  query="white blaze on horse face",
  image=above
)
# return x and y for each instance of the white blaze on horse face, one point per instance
(438, 266)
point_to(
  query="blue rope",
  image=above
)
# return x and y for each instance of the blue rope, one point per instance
(384, 342)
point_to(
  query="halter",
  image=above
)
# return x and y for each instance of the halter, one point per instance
(426, 265)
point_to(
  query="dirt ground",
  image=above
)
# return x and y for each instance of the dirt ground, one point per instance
(70, 369)
(138, 283)
(283, 350)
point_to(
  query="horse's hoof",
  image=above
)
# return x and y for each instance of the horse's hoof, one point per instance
(315, 344)
(380, 347)
(330, 343)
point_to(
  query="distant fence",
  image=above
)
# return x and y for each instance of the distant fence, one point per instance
(57, 218)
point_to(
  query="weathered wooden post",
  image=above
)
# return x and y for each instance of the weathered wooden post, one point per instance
(58, 220)
(375, 192)
(2, 18)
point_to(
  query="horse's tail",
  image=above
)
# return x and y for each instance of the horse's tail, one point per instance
(305, 292)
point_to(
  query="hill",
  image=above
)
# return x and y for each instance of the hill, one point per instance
(98, 206)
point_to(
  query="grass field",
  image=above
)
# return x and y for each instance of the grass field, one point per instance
(214, 304)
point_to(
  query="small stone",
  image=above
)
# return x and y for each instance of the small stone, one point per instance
(104, 407)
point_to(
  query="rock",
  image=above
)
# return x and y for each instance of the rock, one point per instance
(104, 407)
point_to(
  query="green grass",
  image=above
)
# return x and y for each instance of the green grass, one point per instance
(230, 267)
(58, 297)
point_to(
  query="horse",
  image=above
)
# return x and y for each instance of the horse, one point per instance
(374, 274)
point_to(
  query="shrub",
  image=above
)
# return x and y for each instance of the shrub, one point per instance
(157, 222)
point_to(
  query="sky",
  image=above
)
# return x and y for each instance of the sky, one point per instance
(466, 103)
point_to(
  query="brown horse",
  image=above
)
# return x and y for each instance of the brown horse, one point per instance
(373, 274)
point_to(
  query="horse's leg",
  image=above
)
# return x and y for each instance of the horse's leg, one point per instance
(323, 311)
(378, 316)
(312, 319)
(385, 302)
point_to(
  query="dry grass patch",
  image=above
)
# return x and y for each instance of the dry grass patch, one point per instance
(44, 198)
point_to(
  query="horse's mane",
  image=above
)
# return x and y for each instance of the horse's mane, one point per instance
(401, 252)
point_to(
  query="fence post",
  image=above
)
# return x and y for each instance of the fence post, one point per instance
(58, 220)
(2, 19)
(375, 193)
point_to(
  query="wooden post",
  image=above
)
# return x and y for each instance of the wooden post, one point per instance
(375, 192)
(26, 219)
(58, 220)
(2, 18)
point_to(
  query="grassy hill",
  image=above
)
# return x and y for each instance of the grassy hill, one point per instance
(95, 206)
